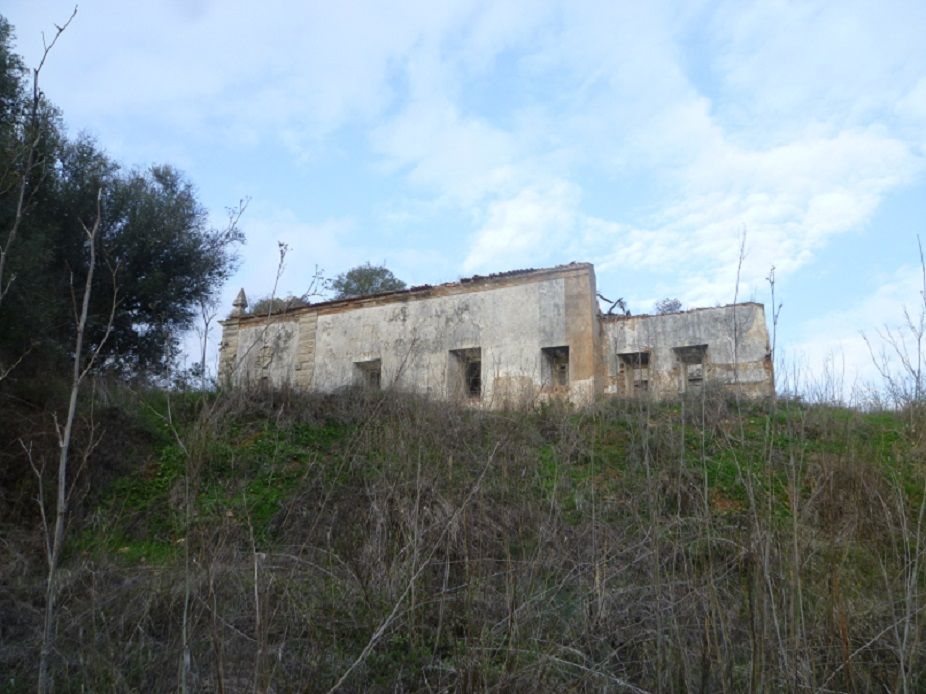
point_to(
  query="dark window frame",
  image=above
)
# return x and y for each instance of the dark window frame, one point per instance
(556, 367)
(467, 366)
(370, 373)
(693, 362)
(635, 366)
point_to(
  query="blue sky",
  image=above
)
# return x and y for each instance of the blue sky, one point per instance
(452, 138)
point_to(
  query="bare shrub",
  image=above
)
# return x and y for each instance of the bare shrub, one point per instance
(381, 541)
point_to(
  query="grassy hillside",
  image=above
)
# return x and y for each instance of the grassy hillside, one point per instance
(295, 543)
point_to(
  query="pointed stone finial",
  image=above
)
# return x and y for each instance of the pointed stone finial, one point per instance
(239, 305)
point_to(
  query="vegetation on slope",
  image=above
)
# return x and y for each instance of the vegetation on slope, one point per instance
(372, 541)
(157, 264)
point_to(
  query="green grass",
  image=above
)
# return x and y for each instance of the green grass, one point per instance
(246, 471)
(345, 499)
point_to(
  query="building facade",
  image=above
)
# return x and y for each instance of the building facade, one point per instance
(505, 340)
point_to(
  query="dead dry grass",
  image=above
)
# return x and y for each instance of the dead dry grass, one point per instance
(382, 542)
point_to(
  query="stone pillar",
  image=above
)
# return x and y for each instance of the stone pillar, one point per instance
(228, 352)
(228, 348)
(305, 352)
(582, 335)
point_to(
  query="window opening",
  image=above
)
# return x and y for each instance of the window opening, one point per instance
(692, 359)
(695, 372)
(635, 368)
(474, 378)
(555, 366)
(369, 373)
(467, 367)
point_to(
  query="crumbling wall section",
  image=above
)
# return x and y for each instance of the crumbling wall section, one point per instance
(228, 353)
(582, 335)
(504, 327)
(512, 339)
(678, 352)
(506, 340)
(304, 367)
(278, 351)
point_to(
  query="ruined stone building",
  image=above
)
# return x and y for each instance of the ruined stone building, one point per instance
(510, 339)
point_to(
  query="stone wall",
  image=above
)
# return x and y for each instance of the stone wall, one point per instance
(522, 329)
(673, 353)
(275, 352)
(506, 340)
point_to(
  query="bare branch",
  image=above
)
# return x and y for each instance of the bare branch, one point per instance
(408, 588)
(4, 372)
(64, 444)
(40, 498)
(32, 137)
(620, 303)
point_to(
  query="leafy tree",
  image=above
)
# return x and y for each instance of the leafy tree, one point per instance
(364, 280)
(277, 304)
(158, 257)
(167, 259)
(668, 305)
(11, 81)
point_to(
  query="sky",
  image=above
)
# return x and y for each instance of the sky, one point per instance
(445, 139)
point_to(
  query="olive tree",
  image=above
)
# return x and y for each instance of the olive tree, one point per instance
(154, 233)
(364, 280)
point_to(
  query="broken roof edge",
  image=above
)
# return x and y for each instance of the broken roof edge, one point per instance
(615, 318)
(420, 291)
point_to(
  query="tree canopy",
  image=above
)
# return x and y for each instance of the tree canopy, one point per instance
(275, 304)
(668, 305)
(364, 280)
(158, 257)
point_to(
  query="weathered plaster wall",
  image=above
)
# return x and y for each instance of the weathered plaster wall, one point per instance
(519, 323)
(582, 335)
(304, 366)
(414, 339)
(228, 351)
(511, 320)
(742, 362)
(275, 353)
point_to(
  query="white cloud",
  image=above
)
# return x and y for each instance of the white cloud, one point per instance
(527, 228)
(790, 199)
(253, 67)
(525, 119)
(843, 332)
(461, 158)
(913, 104)
(628, 101)
(832, 63)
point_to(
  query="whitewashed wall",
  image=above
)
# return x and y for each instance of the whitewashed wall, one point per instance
(413, 339)
(511, 319)
(750, 368)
